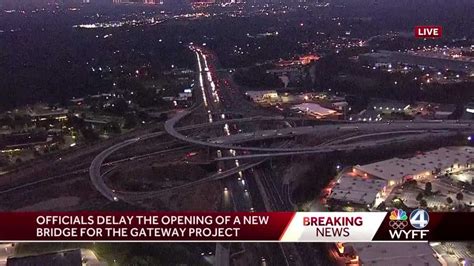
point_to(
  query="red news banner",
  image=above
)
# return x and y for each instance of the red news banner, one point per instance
(141, 226)
(396, 225)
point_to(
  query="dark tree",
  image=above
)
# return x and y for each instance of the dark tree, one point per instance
(89, 134)
(419, 197)
(423, 203)
(113, 127)
(428, 188)
(130, 121)
(449, 200)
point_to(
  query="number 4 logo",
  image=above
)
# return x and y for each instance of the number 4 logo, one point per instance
(419, 218)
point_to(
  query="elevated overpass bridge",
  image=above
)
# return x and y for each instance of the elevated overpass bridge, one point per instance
(229, 142)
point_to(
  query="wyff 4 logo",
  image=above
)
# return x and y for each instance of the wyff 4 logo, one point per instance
(419, 219)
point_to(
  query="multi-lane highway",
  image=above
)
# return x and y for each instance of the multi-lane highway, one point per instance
(212, 104)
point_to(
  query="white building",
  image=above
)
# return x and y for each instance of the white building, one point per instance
(440, 161)
(394, 171)
(315, 109)
(352, 189)
(446, 159)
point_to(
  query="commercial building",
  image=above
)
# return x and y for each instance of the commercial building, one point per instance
(394, 171)
(394, 110)
(315, 110)
(379, 108)
(446, 160)
(424, 165)
(19, 141)
(356, 190)
(371, 184)
(42, 113)
(388, 107)
(263, 96)
(366, 115)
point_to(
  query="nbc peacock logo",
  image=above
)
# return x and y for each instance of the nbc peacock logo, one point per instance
(398, 219)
